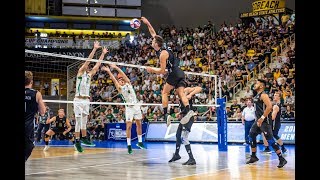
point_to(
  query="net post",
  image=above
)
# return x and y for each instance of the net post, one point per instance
(215, 89)
(222, 125)
(219, 85)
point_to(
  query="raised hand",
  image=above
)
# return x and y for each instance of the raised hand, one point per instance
(144, 20)
(96, 45)
(104, 68)
(105, 50)
(112, 65)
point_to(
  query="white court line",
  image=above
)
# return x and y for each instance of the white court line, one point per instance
(72, 155)
(216, 171)
(77, 153)
(106, 164)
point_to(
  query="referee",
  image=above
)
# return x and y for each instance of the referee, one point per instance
(248, 118)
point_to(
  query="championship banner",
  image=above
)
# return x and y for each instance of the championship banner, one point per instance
(31, 42)
(53, 42)
(265, 5)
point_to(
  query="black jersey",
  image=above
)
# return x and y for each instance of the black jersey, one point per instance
(59, 123)
(31, 108)
(277, 120)
(43, 119)
(172, 62)
(259, 105)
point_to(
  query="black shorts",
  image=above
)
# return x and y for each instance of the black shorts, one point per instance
(176, 78)
(60, 131)
(265, 127)
(276, 125)
(57, 130)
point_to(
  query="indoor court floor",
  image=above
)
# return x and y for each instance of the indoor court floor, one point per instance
(109, 160)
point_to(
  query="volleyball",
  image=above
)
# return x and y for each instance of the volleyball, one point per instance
(135, 23)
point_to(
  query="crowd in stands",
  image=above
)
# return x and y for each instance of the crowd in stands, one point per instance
(232, 52)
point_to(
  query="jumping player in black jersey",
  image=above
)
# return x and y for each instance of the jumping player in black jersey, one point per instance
(263, 107)
(175, 78)
(184, 129)
(33, 103)
(276, 123)
(59, 125)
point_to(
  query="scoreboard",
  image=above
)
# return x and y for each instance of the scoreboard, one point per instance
(102, 8)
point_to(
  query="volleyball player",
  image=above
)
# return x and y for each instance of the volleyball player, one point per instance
(276, 123)
(175, 78)
(263, 107)
(42, 123)
(33, 103)
(82, 95)
(60, 124)
(184, 129)
(128, 95)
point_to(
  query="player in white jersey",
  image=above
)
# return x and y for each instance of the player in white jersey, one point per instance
(128, 94)
(82, 97)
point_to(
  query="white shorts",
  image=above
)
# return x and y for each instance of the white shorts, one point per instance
(133, 112)
(80, 107)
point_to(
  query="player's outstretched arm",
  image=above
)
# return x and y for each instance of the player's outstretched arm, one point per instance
(96, 46)
(151, 30)
(115, 81)
(163, 62)
(97, 65)
(125, 77)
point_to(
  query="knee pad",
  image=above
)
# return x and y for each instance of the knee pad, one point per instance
(46, 136)
(78, 124)
(269, 137)
(84, 122)
(69, 135)
(185, 139)
(253, 141)
(273, 144)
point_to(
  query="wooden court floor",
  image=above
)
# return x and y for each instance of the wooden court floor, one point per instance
(152, 163)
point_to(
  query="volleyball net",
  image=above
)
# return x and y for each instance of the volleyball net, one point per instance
(55, 77)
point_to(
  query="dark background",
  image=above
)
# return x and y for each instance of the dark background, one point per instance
(192, 13)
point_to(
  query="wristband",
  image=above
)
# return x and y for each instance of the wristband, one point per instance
(262, 117)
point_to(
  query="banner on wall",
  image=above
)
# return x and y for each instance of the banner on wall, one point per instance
(54, 42)
(208, 132)
(55, 87)
(30, 42)
(262, 12)
(117, 131)
(267, 5)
